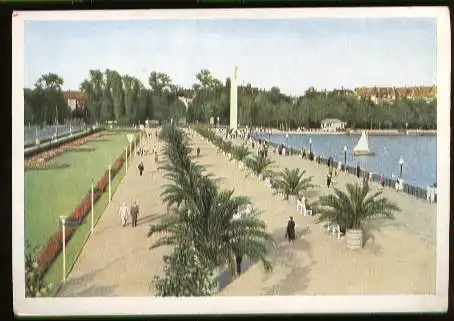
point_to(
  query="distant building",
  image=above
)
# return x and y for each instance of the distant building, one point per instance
(332, 125)
(76, 99)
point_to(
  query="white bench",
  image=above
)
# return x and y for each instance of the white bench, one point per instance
(301, 207)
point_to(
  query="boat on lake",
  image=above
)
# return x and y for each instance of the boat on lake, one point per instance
(362, 147)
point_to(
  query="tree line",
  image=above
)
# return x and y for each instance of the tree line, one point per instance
(125, 99)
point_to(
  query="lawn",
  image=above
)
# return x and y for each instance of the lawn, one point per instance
(52, 193)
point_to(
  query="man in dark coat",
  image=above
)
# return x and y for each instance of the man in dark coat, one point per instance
(239, 259)
(141, 168)
(290, 232)
(134, 214)
(358, 171)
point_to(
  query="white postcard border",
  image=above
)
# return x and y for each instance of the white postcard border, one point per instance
(235, 305)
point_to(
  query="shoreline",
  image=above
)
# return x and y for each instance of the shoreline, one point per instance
(353, 133)
(350, 170)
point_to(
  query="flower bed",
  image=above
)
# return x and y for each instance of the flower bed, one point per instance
(53, 248)
(39, 161)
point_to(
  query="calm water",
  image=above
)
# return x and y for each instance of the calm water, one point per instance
(418, 152)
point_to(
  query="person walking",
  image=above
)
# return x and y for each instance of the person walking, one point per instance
(198, 151)
(290, 231)
(358, 171)
(328, 180)
(141, 168)
(238, 259)
(124, 214)
(382, 181)
(134, 214)
(156, 157)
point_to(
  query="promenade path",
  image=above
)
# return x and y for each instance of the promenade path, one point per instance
(117, 261)
(399, 256)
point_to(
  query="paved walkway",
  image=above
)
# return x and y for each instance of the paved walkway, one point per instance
(116, 261)
(396, 258)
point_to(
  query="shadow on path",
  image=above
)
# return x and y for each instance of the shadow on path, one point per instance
(226, 277)
(149, 218)
(75, 287)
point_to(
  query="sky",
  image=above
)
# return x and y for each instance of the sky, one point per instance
(290, 54)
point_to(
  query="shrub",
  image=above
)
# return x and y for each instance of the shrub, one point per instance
(83, 208)
(103, 183)
(34, 285)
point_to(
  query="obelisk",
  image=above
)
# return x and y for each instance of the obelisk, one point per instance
(234, 100)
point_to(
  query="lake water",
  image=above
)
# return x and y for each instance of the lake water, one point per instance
(418, 152)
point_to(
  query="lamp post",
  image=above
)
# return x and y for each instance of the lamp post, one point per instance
(92, 206)
(269, 135)
(37, 137)
(345, 157)
(310, 145)
(401, 163)
(63, 236)
(110, 189)
(286, 140)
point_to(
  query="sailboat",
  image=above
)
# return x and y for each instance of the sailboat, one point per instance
(362, 147)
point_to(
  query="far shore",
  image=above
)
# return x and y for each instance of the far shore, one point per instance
(358, 132)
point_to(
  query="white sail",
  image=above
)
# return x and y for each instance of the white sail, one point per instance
(363, 145)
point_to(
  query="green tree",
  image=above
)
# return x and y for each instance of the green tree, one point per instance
(54, 106)
(116, 83)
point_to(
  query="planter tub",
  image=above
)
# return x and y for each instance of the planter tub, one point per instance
(292, 199)
(354, 239)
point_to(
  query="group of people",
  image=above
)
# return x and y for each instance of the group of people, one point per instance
(126, 213)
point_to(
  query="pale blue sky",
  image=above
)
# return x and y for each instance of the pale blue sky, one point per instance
(290, 54)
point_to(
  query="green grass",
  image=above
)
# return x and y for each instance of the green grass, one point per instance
(52, 193)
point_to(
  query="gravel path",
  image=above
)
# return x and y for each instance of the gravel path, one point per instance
(116, 261)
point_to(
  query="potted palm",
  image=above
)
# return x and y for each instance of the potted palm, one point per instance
(260, 165)
(292, 182)
(352, 208)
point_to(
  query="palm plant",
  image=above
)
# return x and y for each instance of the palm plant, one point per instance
(204, 219)
(260, 164)
(240, 152)
(352, 208)
(216, 234)
(292, 182)
(185, 274)
(226, 146)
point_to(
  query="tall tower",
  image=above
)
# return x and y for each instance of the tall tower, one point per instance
(234, 100)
